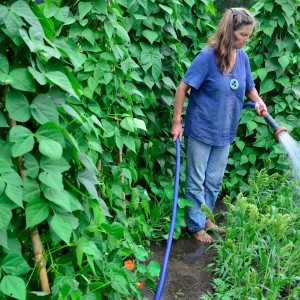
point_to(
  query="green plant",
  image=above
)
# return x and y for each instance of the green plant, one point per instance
(86, 162)
(257, 258)
(274, 56)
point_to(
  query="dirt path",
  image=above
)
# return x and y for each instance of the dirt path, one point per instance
(186, 277)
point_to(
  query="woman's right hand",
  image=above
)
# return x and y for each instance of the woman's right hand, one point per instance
(176, 131)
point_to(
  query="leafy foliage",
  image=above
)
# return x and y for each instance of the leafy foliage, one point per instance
(274, 56)
(85, 154)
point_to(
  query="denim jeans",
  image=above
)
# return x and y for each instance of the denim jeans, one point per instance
(205, 167)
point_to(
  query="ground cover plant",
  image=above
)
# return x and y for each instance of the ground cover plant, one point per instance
(258, 258)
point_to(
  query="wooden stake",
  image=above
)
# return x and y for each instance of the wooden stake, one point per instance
(34, 234)
(120, 159)
(39, 258)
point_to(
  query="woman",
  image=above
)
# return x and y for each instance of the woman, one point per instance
(218, 79)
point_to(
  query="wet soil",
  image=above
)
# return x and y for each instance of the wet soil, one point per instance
(187, 276)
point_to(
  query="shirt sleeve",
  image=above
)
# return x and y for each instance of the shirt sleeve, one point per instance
(249, 80)
(197, 71)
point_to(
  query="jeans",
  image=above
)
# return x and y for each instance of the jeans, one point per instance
(205, 167)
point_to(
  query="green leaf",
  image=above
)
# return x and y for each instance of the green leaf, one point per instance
(150, 35)
(60, 79)
(167, 9)
(4, 67)
(258, 59)
(140, 124)
(129, 142)
(266, 86)
(38, 76)
(31, 165)
(284, 81)
(135, 198)
(74, 202)
(14, 264)
(284, 61)
(14, 193)
(100, 5)
(13, 286)
(62, 227)
(169, 82)
(121, 32)
(252, 158)
(23, 140)
(51, 149)
(240, 145)
(84, 8)
(151, 58)
(182, 203)
(140, 17)
(17, 105)
(128, 124)
(59, 197)
(5, 216)
(31, 189)
(50, 131)
(13, 24)
(117, 230)
(3, 122)
(89, 180)
(3, 238)
(44, 110)
(36, 212)
(89, 35)
(262, 73)
(244, 159)
(268, 31)
(70, 49)
(22, 9)
(288, 9)
(119, 284)
(53, 179)
(153, 268)
(51, 166)
(251, 125)
(22, 80)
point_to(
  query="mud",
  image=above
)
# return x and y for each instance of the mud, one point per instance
(187, 276)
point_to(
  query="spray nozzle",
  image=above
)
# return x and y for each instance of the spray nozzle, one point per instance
(277, 127)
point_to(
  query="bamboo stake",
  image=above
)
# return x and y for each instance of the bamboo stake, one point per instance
(34, 233)
(39, 258)
(120, 159)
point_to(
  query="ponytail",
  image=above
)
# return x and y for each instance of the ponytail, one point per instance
(223, 38)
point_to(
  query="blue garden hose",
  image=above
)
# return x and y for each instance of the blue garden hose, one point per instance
(173, 217)
(172, 224)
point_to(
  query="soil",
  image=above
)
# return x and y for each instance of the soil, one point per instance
(187, 275)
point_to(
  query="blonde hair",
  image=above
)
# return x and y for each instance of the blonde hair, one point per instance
(223, 38)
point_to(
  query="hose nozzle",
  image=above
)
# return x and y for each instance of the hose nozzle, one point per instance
(277, 127)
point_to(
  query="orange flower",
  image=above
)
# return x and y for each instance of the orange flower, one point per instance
(129, 264)
(140, 285)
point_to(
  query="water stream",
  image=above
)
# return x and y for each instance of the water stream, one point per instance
(292, 149)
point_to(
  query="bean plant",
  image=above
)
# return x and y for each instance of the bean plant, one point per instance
(86, 160)
(273, 50)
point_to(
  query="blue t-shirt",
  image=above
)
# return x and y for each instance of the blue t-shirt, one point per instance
(214, 108)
